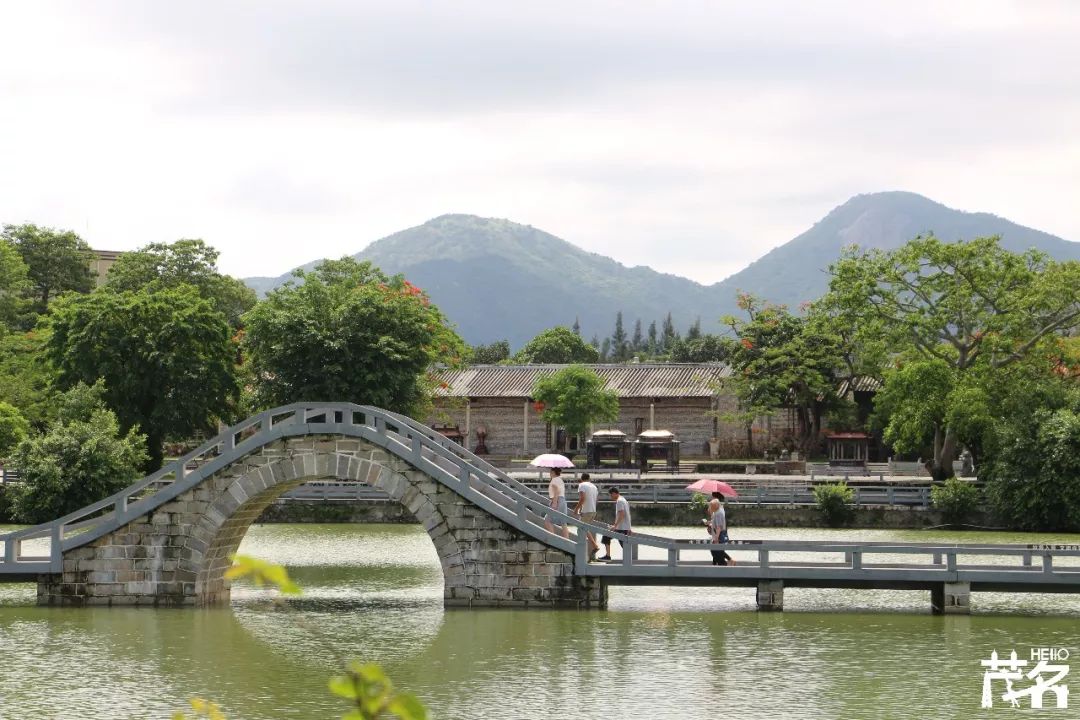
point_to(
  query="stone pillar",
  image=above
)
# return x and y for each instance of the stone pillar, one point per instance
(770, 595)
(652, 415)
(525, 424)
(951, 598)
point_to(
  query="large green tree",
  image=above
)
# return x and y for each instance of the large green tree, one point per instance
(557, 346)
(347, 332)
(574, 398)
(167, 358)
(13, 284)
(184, 262)
(56, 261)
(82, 458)
(778, 360)
(972, 306)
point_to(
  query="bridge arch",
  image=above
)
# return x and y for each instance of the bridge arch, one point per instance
(176, 552)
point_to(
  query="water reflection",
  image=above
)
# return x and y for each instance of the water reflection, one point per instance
(374, 592)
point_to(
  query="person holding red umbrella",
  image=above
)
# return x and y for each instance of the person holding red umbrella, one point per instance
(717, 526)
(717, 522)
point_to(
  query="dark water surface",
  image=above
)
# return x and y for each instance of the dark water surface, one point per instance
(374, 592)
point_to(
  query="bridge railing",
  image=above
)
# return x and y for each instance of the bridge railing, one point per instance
(654, 493)
(1040, 564)
(670, 557)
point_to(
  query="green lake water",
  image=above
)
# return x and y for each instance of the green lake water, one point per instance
(375, 592)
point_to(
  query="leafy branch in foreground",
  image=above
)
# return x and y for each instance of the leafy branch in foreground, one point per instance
(202, 709)
(262, 573)
(367, 688)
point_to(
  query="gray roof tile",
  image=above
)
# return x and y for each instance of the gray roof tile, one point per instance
(641, 380)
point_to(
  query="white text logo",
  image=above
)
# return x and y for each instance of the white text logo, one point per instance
(1047, 671)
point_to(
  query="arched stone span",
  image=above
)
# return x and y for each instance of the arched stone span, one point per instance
(177, 554)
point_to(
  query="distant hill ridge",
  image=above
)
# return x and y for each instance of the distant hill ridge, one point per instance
(497, 279)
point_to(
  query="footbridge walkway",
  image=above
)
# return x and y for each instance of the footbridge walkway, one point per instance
(167, 539)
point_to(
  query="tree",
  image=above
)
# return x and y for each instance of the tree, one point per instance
(14, 282)
(668, 334)
(348, 332)
(695, 330)
(1034, 484)
(637, 340)
(971, 305)
(921, 398)
(491, 354)
(82, 458)
(13, 428)
(167, 358)
(56, 261)
(574, 398)
(25, 379)
(778, 361)
(1019, 447)
(620, 350)
(707, 348)
(184, 262)
(654, 348)
(576, 327)
(557, 345)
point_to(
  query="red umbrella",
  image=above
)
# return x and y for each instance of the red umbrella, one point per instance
(713, 486)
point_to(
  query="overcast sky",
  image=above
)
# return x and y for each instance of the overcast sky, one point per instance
(688, 136)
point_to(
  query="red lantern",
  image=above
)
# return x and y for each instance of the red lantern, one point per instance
(538, 406)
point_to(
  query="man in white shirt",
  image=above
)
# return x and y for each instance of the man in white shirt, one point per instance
(586, 509)
(557, 495)
(621, 524)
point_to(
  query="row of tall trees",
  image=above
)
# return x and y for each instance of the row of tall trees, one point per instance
(565, 345)
(622, 346)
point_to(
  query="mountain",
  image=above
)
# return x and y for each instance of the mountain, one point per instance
(797, 270)
(496, 279)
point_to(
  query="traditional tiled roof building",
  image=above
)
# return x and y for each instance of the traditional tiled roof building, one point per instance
(683, 398)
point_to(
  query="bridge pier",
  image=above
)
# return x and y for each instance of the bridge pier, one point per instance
(770, 595)
(951, 598)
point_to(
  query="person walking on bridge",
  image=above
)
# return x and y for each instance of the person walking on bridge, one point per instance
(621, 524)
(557, 496)
(586, 509)
(717, 526)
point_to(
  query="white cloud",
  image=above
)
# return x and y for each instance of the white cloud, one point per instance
(689, 136)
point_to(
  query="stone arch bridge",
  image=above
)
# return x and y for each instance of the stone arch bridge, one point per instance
(166, 540)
